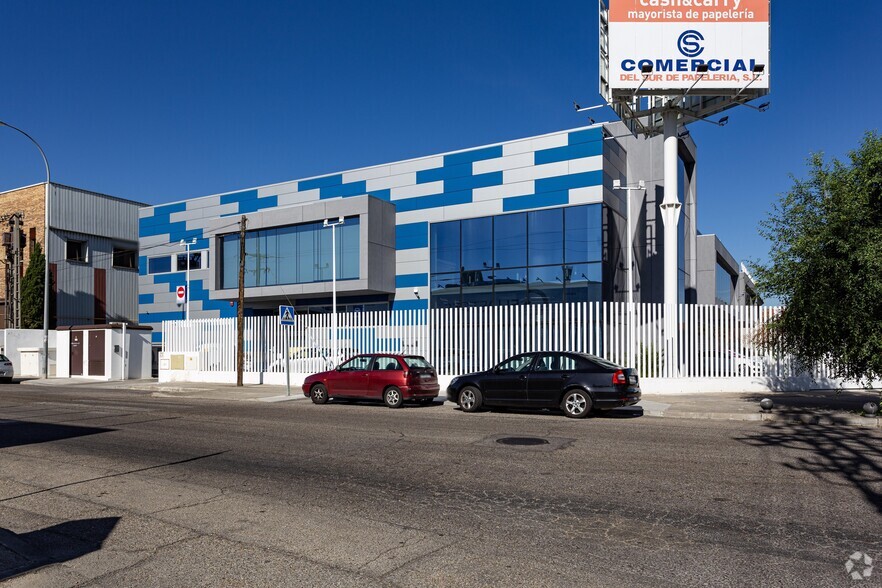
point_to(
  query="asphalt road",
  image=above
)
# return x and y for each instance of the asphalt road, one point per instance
(103, 488)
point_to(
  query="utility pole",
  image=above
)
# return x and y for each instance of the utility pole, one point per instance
(13, 258)
(240, 311)
(16, 273)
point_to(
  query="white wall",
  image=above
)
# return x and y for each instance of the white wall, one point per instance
(14, 339)
(137, 349)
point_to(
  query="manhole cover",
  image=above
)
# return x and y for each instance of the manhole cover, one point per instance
(522, 441)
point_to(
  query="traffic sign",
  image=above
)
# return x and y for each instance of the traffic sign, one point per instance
(286, 315)
(182, 294)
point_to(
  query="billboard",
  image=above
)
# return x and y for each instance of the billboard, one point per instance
(677, 37)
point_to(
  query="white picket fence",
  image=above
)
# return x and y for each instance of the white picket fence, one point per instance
(706, 342)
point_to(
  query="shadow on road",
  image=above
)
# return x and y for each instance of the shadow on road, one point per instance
(625, 412)
(55, 544)
(835, 454)
(845, 400)
(14, 433)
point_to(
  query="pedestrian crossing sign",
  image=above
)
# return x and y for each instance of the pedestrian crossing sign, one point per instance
(286, 315)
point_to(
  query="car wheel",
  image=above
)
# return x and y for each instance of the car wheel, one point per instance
(576, 404)
(319, 394)
(470, 399)
(392, 397)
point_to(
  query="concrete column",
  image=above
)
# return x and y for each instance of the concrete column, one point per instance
(670, 209)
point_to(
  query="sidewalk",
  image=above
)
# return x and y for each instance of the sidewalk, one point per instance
(816, 407)
(256, 393)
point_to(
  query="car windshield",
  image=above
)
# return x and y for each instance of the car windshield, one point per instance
(3, 358)
(416, 362)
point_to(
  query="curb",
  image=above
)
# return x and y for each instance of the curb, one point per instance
(802, 419)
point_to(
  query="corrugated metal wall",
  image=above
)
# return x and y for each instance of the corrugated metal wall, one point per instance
(76, 281)
(102, 222)
(90, 213)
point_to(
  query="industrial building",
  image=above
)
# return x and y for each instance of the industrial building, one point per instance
(93, 252)
(534, 220)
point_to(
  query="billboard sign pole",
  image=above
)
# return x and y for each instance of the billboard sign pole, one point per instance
(666, 63)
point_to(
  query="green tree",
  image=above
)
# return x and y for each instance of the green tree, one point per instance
(825, 265)
(32, 291)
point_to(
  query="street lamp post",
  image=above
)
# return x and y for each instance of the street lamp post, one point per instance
(186, 245)
(334, 224)
(45, 367)
(617, 185)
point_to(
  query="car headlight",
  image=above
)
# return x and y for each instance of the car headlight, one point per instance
(453, 382)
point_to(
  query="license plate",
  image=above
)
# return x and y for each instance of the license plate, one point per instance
(633, 379)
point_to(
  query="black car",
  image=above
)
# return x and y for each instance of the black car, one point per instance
(574, 382)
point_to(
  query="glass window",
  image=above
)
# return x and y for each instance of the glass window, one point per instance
(477, 288)
(230, 263)
(725, 286)
(416, 361)
(516, 247)
(445, 247)
(446, 290)
(510, 240)
(584, 282)
(510, 286)
(547, 363)
(546, 284)
(159, 265)
(583, 237)
(75, 251)
(286, 253)
(359, 363)
(545, 237)
(347, 245)
(477, 243)
(386, 364)
(520, 363)
(290, 255)
(125, 256)
(195, 261)
(323, 254)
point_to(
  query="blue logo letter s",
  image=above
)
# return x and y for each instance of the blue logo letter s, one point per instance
(688, 43)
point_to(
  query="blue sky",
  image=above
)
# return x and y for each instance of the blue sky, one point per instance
(159, 101)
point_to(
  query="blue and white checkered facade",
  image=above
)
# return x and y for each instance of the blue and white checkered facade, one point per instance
(554, 170)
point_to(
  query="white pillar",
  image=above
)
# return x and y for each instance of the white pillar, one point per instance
(671, 207)
(632, 361)
(671, 218)
(334, 293)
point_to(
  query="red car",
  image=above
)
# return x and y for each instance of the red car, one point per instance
(390, 377)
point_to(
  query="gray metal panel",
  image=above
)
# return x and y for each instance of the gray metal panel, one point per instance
(90, 213)
(76, 281)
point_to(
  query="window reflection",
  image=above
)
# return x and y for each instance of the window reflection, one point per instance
(477, 243)
(445, 247)
(510, 240)
(546, 284)
(545, 237)
(536, 257)
(291, 255)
